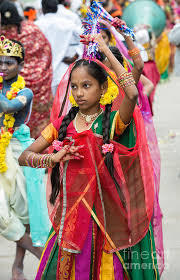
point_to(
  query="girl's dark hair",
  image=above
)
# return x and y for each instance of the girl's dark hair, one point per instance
(10, 15)
(99, 73)
(105, 29)
(115, 52)
(19, 60)
(55, 171)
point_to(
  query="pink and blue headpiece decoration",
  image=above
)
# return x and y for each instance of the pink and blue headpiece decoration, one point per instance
(91, 26)
(100, 12)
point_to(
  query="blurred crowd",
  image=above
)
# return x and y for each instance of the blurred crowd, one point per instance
(49, 31)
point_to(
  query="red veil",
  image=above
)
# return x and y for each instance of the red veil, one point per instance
(87, 190)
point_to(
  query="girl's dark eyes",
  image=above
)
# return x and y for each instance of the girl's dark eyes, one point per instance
(86, 85)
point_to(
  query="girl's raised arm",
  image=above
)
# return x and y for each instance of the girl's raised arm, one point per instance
(133, 51)
(125, 79)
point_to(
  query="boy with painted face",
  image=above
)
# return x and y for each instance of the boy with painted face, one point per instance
(16, 207)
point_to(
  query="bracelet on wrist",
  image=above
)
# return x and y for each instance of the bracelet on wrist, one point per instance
(40, 161)
(134, 52)
(126, 80)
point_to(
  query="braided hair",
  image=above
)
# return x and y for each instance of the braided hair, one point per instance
(109, 157)
(55, 171)
(99, 73)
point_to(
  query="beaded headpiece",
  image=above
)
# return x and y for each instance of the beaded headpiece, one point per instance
(10, 48)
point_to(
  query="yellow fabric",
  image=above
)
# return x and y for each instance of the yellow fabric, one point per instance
(118, 126)
(162, 53)
(73, 270)
(107, 267)
(50, 133)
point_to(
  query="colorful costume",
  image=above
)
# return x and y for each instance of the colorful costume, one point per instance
(19, 202)
(37, 71)
(162, 55)
(100, 232)
(90, 221)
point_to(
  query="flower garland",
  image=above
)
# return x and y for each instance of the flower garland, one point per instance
(7, 131)
(107, 98)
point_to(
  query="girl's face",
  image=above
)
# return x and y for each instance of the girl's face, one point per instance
(86, 90)
(9, 67)
(105, 37)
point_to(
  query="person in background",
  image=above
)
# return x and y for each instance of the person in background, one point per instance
(146, 37)
(138, 63)
(20, 188)
(67, 13)
(18, 6)
(174, 38)
(37, 70)
(63, 36)
(30, 13)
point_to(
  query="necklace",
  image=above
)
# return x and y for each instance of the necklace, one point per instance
(89, 118)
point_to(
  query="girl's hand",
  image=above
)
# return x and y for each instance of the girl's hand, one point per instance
(117, 22)
(67, 153)
(86, 39)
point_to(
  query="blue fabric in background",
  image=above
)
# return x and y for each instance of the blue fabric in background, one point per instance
(36, 193)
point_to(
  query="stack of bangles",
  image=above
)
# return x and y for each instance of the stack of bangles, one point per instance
(126, 80)
(39, 161)
(134, 53)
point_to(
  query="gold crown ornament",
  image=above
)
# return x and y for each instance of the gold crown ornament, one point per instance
(9, 48)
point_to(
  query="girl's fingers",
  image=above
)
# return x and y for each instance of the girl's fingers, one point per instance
(75, 148)
(66, 148)
(71, 157)
(81, 146)
(84, 42)
(78, 155)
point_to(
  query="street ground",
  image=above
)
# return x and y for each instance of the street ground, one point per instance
(167, 123)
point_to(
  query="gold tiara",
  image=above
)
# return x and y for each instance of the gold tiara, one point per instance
(10, 48)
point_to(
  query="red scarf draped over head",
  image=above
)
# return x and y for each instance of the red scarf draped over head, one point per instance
(87, 190)
(37, 71)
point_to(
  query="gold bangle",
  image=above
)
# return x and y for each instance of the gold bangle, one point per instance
(126, 80)
(27, 159)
